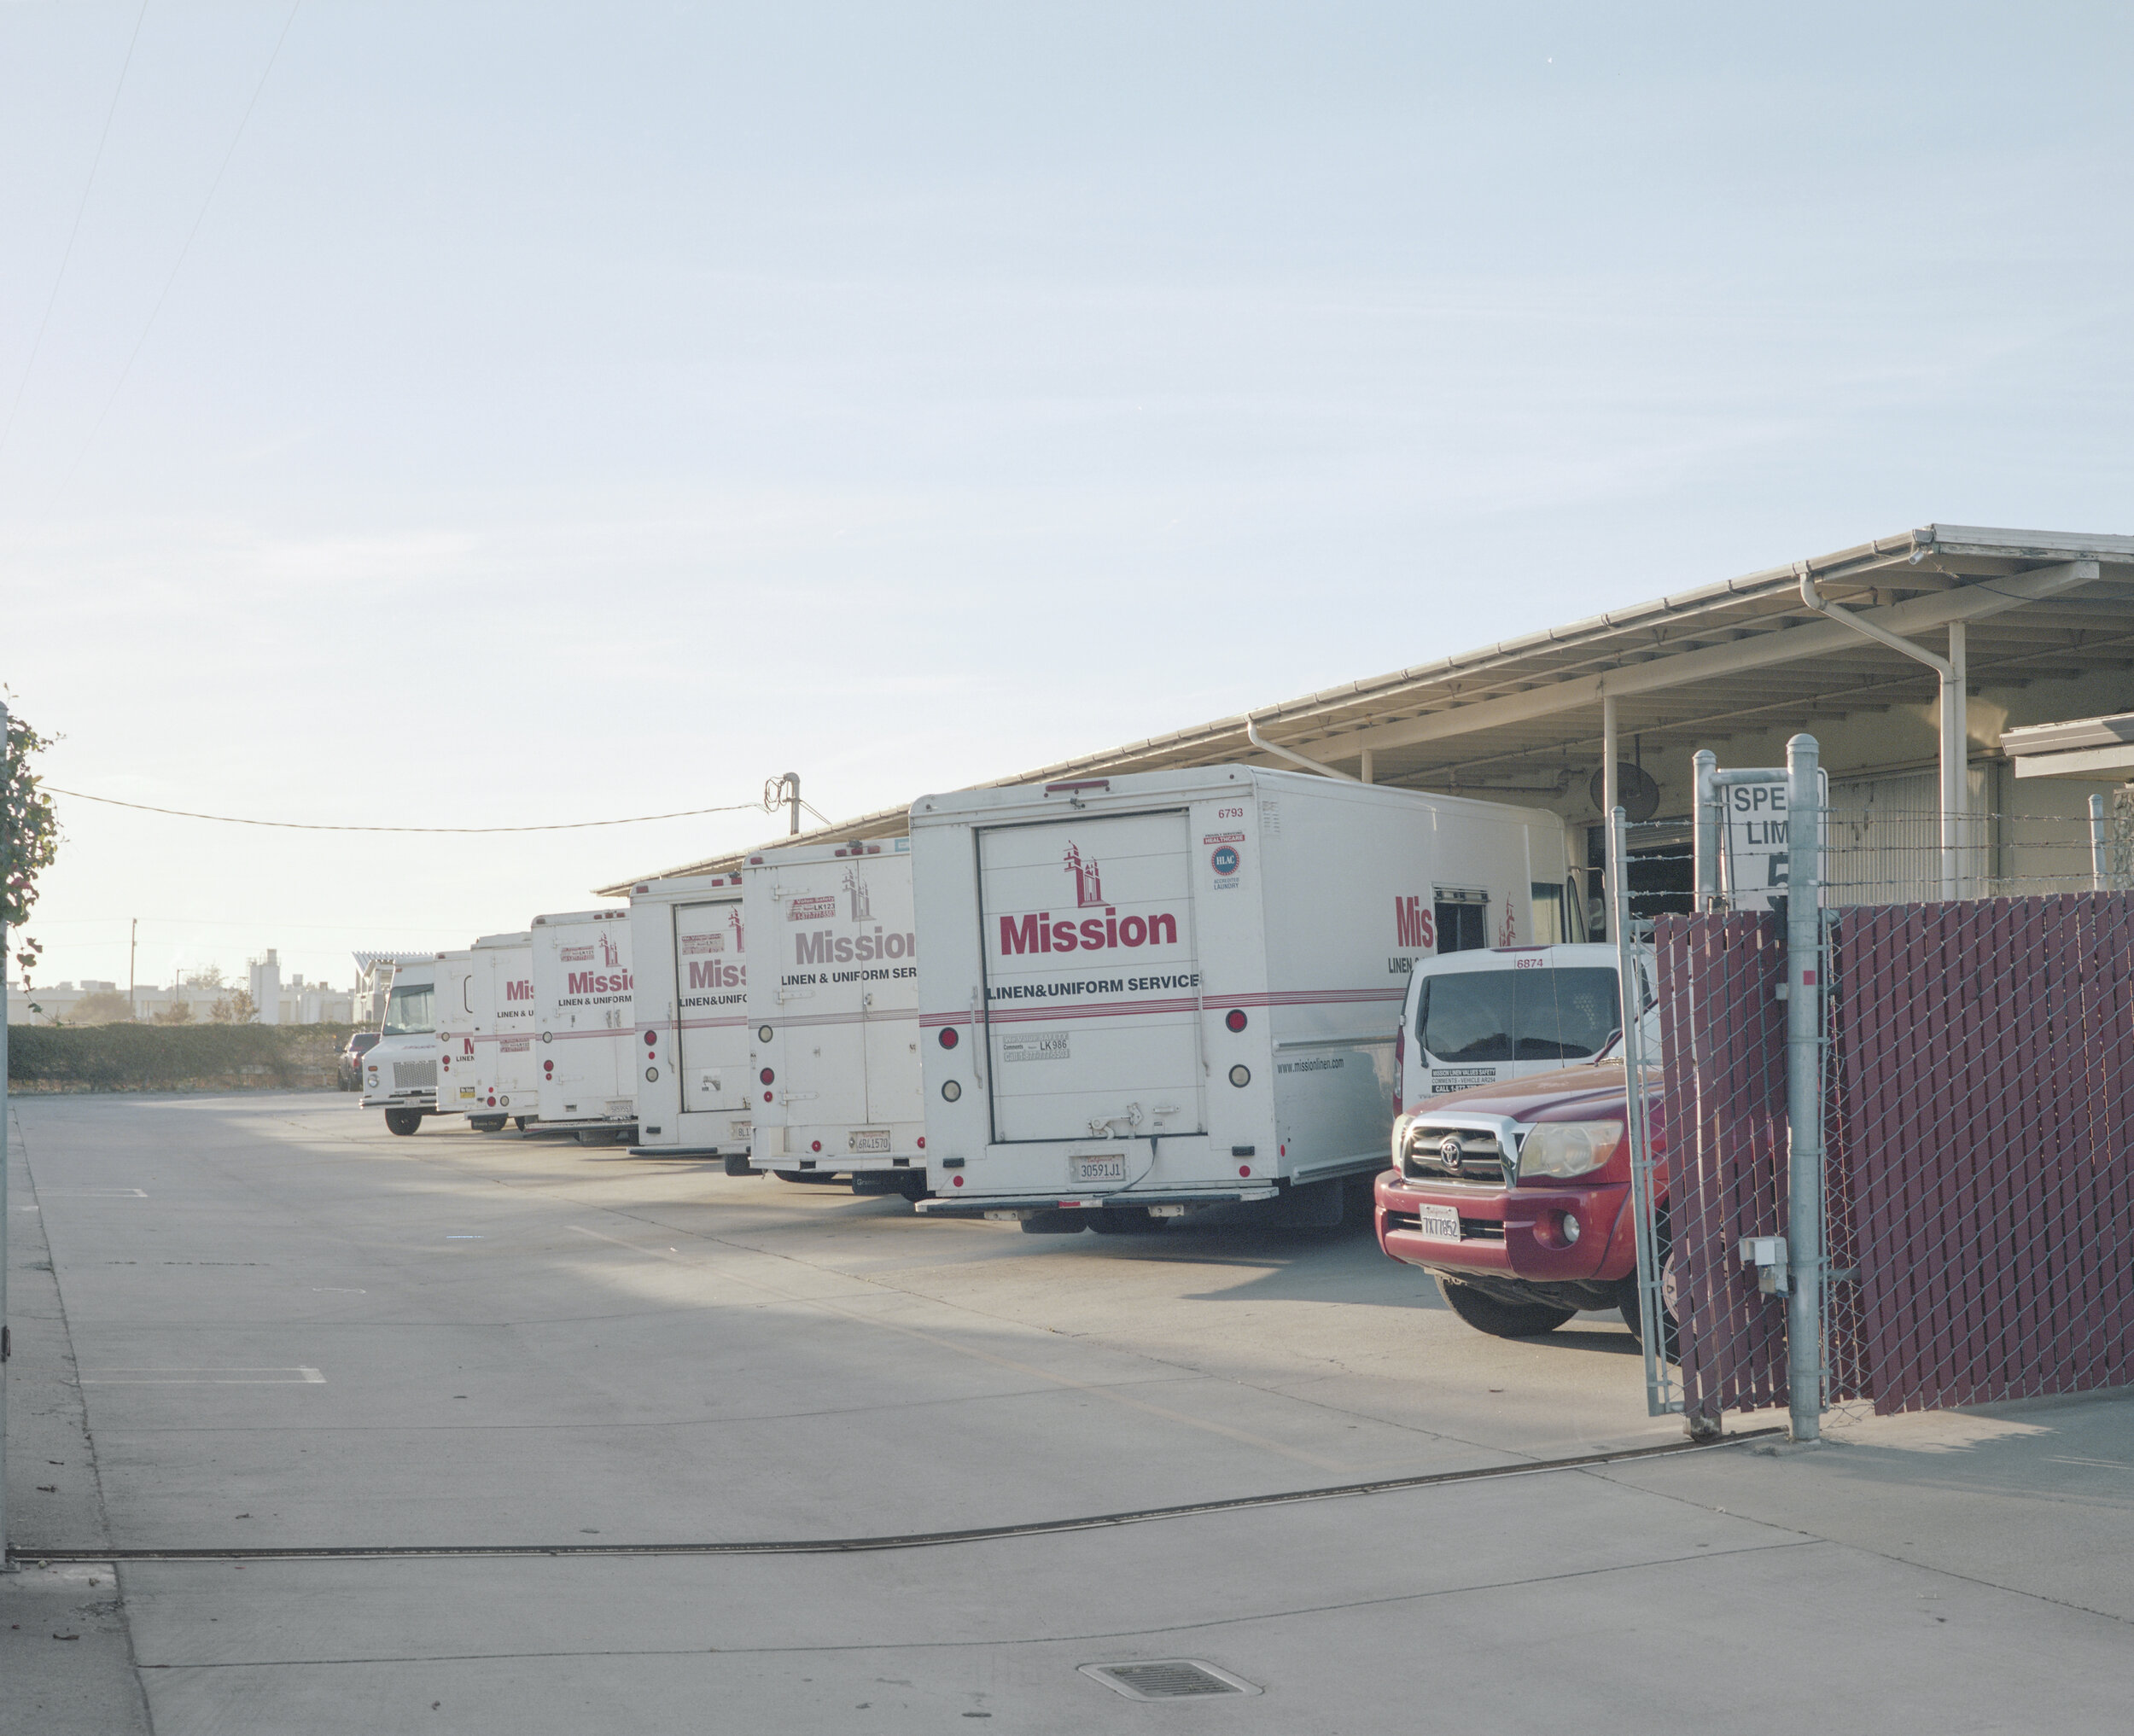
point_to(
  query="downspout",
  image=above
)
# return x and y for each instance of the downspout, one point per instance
(1252, 735)
(1954, 733)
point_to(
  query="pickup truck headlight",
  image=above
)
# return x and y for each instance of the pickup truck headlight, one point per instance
(1568, 1148)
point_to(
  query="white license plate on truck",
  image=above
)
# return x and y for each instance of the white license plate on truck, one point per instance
(1440, 1223)
(868, 1140)
(1083, 1171)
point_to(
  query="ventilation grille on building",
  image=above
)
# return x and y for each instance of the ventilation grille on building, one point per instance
(1167, 1678)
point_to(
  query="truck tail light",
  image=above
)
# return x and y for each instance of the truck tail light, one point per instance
(767, 1076)
(650, 1038)
(1235, 1019)
(949, 1038)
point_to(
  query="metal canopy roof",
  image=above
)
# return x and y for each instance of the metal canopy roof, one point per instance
(1746, 654)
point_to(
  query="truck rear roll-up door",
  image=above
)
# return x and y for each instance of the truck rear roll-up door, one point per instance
(1092, 978)
(710, 992)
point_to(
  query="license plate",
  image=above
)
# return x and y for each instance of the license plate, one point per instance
(1441, 1222)
(867, 1139)
(1083, 1170)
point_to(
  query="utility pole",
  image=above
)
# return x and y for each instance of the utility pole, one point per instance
(792, 793)
(133, 942)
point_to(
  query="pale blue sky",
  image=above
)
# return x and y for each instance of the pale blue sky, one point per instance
(566, 412)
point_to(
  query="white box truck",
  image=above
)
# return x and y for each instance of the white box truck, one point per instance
(1483, 1017)
(833, 1015)
(686, 935)
(1163, 992)
(507, 1072)
(457, 1024)
(582, 1004)
(400, 1072)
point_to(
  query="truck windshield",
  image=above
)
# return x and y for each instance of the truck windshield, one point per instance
(408, 1011)
(1518, 1015)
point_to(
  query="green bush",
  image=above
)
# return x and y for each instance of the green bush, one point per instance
(173, 1058)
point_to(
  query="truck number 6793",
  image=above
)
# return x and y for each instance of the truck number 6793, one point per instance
(1229, 814)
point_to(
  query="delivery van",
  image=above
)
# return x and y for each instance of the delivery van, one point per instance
(833, 1015)
(1498, 1013)
(585, 1024)
(400, 1072)
(507, 1072)
(1158, 993)
(457, 1023)
(693, 1090)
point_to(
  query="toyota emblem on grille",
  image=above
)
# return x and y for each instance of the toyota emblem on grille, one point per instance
(1448, 1151)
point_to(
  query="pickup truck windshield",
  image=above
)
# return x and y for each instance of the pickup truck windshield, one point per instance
(407, 1011)
(1518, 1015)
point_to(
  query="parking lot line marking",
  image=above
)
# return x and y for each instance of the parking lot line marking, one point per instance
(96, 1192)
(1110, 1393)
(207, 1376)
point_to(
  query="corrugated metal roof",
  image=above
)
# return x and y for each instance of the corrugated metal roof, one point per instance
(1743, 653)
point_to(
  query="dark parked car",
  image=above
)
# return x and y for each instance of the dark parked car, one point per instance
(351, 1070)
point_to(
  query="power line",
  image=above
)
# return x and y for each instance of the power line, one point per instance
(462, 831)
(200, 217)
(67, 256)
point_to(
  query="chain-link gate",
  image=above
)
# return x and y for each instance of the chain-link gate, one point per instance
(1965, 1071)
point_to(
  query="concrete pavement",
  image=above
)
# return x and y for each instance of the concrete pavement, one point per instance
(295, 1330)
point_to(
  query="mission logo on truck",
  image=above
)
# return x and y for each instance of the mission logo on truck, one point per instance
(611, 979)
(823, 947)
(714, 973)
(1038, 932)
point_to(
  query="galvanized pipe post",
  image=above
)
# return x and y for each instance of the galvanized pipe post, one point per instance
(1706, 817)
(1804, 1087)
(2099, 865)
(1660, 1395)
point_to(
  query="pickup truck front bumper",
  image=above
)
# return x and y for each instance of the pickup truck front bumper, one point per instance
(1517, 1232)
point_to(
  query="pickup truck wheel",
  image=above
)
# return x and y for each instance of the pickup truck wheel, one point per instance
(1501, 1320)
(403, 1121)
(1670, 1307)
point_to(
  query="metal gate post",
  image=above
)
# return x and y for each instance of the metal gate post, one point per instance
(1804, 1087)
(1705, 827)
(2098, 866)
(1662, 1396)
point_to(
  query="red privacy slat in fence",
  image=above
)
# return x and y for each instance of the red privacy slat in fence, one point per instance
(1721, 1127)
(1984, 1059)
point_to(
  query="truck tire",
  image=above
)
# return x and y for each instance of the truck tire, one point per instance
(520, 1121)
(1670, 1310)
(912, 1184)
(1501, 1320)
(403, 1121)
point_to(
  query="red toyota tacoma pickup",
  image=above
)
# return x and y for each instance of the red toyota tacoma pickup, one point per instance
(1516, 1197)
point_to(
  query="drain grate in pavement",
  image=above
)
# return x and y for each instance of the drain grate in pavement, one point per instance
(1167, 1678)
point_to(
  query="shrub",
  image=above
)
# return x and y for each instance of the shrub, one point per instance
(173, 1058)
